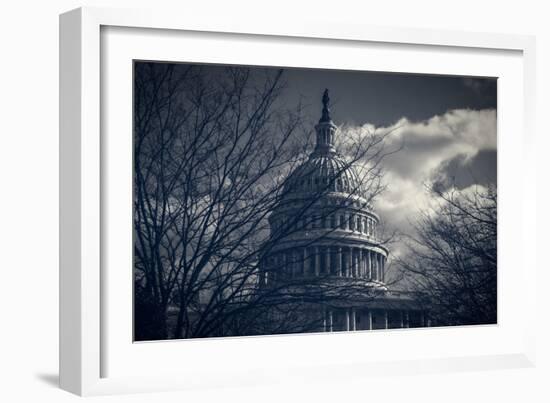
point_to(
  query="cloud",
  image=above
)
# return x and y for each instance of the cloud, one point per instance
(455, 149)
(425, 145)
(461, 171)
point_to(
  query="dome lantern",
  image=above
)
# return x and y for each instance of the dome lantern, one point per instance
(326, 130)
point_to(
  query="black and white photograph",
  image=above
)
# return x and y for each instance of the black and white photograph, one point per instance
(282, 200)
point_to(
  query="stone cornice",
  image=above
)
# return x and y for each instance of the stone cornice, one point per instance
(334, 237)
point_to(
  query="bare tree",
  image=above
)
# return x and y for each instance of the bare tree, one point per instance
(452, 259)
(212, 155)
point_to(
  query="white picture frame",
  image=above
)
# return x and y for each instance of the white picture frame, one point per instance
(85, 344)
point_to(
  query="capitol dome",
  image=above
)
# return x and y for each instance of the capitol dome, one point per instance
(323, 232)
(323, 216)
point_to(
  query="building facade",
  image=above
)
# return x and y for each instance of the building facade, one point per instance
(326, 251)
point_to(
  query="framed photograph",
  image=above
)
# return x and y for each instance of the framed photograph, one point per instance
(243, 203)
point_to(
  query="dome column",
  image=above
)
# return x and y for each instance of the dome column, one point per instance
(352, 262)
(374, 266)
(361, 261)
(366, 253)
(369, 320)
(369, 265)
(365, 264)
(355, 254)
(348, 262)
(344, 262)
(327, 261)
(339, 261)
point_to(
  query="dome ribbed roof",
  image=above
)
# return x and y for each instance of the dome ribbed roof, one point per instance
(324, 172)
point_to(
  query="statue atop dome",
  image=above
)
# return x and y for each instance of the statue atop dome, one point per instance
(326, 111)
